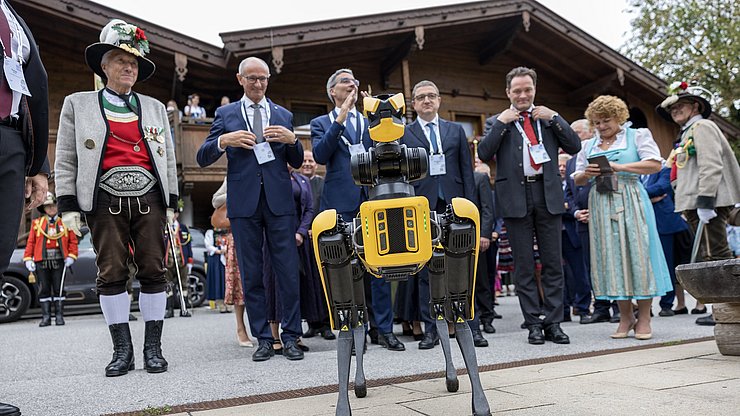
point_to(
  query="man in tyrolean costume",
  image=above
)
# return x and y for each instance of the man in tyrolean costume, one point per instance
(115, 165)
(50, 249)
(704, 171)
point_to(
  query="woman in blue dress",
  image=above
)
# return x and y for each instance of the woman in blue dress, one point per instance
(627, 261)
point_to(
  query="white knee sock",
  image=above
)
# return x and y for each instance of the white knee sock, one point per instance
(115, 308)
(152, 306)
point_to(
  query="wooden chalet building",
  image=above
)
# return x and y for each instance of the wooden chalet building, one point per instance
(466, 49)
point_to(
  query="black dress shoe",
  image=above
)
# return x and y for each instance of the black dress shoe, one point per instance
(390, 342)
(666, 312)
(373, 333)
(536, 337)
(9, 410)
(497, 315)
(326, 333)
(682, 311)
(488, 328)
(478, 339)
(312, 332)
(523, 325)
(429, 341)
(264, 351)
(292, 351)
(554, 333)
(706, 320)
(597, 316)
(567, 317)
(615, 318)
(699, 311)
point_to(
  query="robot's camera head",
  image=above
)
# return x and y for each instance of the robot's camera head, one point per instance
(385, 114)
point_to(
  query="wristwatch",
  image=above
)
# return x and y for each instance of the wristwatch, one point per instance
(553, 116)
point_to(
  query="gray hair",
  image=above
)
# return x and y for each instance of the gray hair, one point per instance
(423, 83)
(580, 122)
(106, 57)
(253, 59)
(332, 81)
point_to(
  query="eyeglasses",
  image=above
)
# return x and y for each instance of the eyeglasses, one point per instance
(349, 81)
(253, 79)
(432, 96)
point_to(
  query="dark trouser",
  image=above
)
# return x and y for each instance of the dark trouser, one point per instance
(12, 179)
(377, 295)
(50, 281)
(547, 227)
(666, 240)
(249, 235)
(117, 223)
(577, 282)
(483, 289)
(714, 245)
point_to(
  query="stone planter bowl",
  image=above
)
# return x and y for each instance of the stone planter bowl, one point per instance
(717, 282)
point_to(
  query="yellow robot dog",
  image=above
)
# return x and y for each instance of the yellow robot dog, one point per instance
(396, 235)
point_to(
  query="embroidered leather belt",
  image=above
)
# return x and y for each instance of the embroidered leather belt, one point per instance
(125, 181)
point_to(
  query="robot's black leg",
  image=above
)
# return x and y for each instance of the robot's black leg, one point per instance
(344, 358)
(359, 338)
(450, 372)
(465, 341)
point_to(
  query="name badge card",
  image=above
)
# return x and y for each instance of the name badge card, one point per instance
(437, 165)
(14, 75)
(263, 152)
(539, 154)
(356, 149)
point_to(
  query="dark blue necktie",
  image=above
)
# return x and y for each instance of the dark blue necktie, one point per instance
(433, 137)
(350, 129)
(435, 149)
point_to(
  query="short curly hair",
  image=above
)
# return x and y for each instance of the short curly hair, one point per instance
(607, 106)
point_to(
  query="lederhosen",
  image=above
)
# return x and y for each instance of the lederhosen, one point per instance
(130, 214)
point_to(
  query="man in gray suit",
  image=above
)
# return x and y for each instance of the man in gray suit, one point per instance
(525, 139)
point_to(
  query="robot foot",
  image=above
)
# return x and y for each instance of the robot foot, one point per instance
(360, 386)
(344, 357)
(450, 373)
(465, 341)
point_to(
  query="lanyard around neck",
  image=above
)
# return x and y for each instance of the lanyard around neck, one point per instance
(518, 125)
(256, 110)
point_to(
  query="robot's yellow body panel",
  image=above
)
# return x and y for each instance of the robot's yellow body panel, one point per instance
(396, 232)
(326, 220)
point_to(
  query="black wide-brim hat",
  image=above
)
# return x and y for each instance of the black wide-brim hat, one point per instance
(118, 34)
(689, 94)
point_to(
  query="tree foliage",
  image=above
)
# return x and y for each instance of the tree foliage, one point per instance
(697, 41)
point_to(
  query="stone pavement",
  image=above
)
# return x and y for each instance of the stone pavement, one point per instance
(59, 370)
(691, 378)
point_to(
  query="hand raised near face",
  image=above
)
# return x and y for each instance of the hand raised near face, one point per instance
(508, 115)
(240, 138)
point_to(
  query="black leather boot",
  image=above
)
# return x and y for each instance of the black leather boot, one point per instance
(153, 360)
(9, 410)
(45, 314)
(59, 317)
(123, 351)
(170, 311)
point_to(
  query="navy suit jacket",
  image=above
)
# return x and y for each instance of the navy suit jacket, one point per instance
(244, 174)
(340, 191)
(576, 196)
(458, 181)
(485, 204)
(569, 220)
(505, 142)
(668, 221)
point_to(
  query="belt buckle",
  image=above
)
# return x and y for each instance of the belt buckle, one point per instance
(531, 179)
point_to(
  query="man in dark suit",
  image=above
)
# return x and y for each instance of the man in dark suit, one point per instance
(450, 175)
(483, 291)
(24, 134)
(577, 292)
(335, 137)
(259, 199)
(525, 140)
